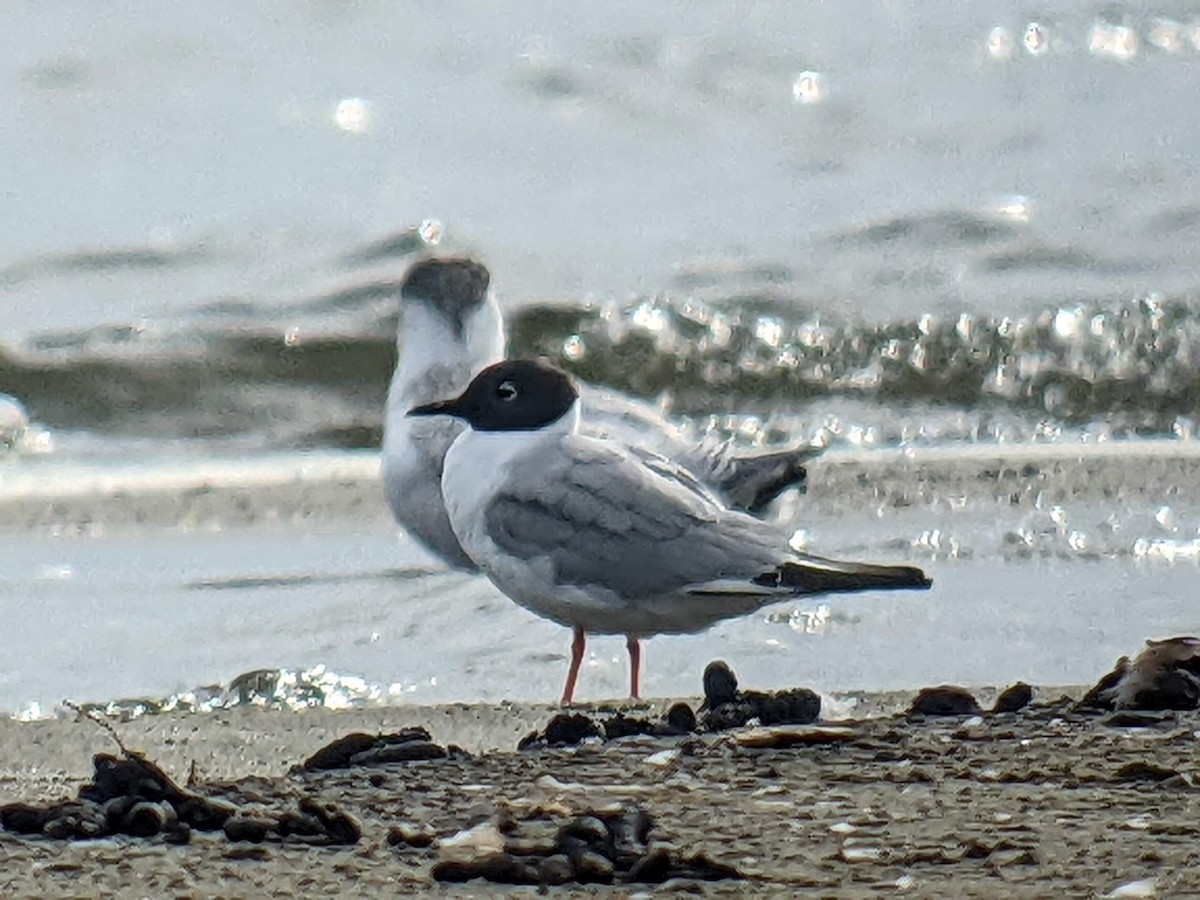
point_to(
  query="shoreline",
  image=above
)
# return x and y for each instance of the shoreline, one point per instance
(331, 487)
(176, 738)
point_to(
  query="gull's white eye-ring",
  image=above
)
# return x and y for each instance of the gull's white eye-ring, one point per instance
(506, 391)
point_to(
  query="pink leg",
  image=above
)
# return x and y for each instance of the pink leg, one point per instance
(576, 658)
(635, 665)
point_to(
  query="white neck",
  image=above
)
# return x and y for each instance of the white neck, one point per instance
(495, 450)
(434, 362)
(478, 464)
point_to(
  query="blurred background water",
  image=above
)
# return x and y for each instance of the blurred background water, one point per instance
(896, 224)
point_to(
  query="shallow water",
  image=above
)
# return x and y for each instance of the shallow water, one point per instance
(1045, 592)
(910, 227)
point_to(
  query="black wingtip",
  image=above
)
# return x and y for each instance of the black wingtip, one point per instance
(753, 481)
(791, 475)
(832, 577)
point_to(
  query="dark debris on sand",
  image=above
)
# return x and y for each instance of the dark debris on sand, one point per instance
(358, 749)
(314, 824)
(1164, 676)
(132, 796)
(951, 700)
(569, 729)
(725, 706)
(610, 846)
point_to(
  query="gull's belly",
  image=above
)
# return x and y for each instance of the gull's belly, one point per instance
(597, 610)
(413, 454)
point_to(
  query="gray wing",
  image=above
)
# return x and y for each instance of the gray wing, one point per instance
(608, 516)
(748, 480)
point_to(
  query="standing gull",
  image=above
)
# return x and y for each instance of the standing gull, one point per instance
(450, 329)
(604, 538)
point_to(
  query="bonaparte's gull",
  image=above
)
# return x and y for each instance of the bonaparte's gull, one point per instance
(604, 537)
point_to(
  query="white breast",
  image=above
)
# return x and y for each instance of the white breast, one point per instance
(477, 468)
(434, 364)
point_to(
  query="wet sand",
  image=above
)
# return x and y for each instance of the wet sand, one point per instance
(330, 487)
(1025, 805)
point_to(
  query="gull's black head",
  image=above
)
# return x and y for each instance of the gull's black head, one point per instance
(514, 395)
(454, 287)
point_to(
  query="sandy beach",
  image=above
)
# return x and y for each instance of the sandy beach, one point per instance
(1047, 801)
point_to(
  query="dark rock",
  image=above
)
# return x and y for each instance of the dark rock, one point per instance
(555, 870)
(63, 828)
(204, 814)
(1137, 718)
(630, 830)
(297, 825)
(726, 707)
(567, 729)
(795, 706)
(21, 818)
(410, 751)
(585, 834)
(1014, 698)
(130, 796)
(134, 797)
(358, 749)
(1100, 695)
(339, 827)
(720, 684)
(317, 824)
(70, 820)
(133, 776)
(1144, 771)
(621, 725)
(570, 729)
(652, 868)
(409, 835)
(499, 868)
(680, 719)
(700, 868)
(564, 730)
(312, 823)
(337, 755)
(600, 847)
(726, 716)
(944, 700)
(116, 809)
(147, 819)
(1175, 689)
(593, 868)
(1166, 675)
(251, 829)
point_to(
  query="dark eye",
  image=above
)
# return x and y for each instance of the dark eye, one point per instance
(507, 391)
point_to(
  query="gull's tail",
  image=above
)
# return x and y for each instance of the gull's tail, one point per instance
(751, 481)
(816, 575)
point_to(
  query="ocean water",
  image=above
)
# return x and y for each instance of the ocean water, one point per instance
(943, 227)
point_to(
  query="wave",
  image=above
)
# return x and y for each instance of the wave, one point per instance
(1132, 368)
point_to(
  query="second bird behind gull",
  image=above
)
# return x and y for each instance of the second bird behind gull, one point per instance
(603, 538)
